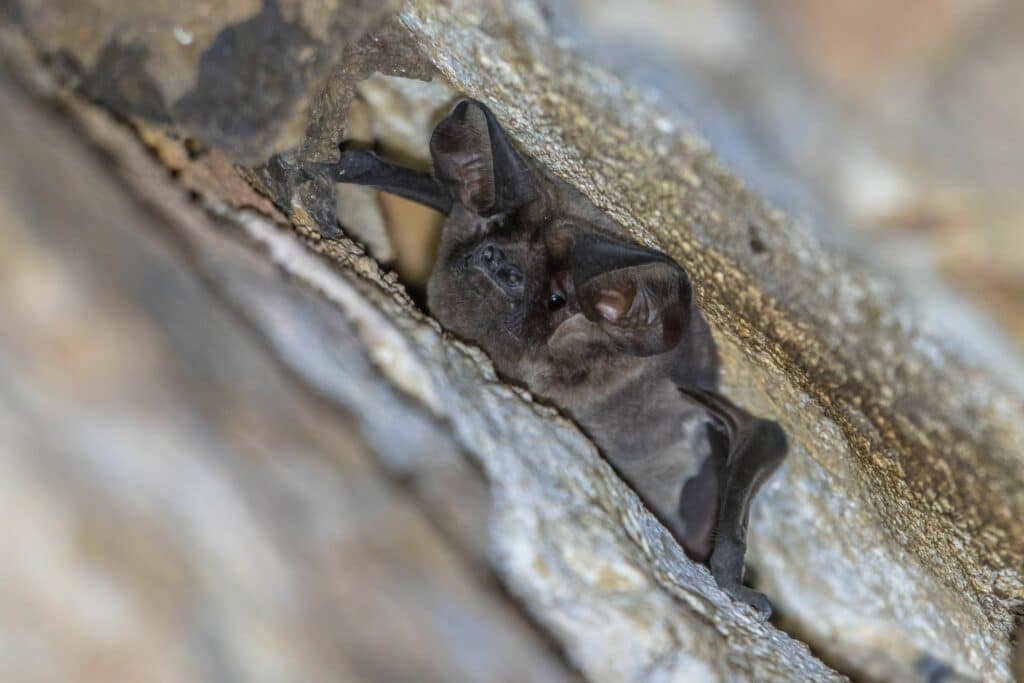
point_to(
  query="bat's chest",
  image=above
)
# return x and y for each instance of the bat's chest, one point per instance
(654, 438)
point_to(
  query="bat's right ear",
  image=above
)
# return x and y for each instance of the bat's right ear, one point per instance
(475, 159)
(639, 297)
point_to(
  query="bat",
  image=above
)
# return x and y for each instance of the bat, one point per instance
(565, 304)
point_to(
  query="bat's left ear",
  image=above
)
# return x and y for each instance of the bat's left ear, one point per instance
(475, 159)
(639, 297)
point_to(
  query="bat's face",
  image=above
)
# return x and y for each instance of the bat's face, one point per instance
(496, 283)
(506, 285)
(529, 270)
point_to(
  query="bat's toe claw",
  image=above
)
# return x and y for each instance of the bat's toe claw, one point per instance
(749, 596)
(727, 568)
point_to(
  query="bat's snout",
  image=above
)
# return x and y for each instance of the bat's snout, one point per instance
(492, 261)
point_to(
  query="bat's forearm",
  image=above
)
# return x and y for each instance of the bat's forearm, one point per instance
(366, 168)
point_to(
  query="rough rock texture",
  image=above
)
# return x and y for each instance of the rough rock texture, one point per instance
(574, 543)
(891, 121)
(176, 506)
(895, 533)
(241, 74)
(906, 478)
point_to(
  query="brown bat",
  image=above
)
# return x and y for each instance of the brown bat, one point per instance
(564, 303)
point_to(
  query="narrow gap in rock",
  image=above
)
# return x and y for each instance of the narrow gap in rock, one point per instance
(407, 486)
(757, 244)
(411, 233)
(394, 118)
(414, 232)
(795, 630)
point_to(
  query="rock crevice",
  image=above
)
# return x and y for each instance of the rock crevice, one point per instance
(893, 534)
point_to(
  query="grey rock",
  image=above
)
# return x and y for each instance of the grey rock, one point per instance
(176, 506)
(903, 441)
(896, 530)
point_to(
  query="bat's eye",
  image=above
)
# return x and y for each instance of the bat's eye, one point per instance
(555, 301)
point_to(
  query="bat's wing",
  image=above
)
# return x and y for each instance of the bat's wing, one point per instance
(475, 164)
(745, 451)
(366, 168)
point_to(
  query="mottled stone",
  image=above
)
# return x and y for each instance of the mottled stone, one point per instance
(934, 484)
(364, 220)
(1018, 653)
(248, 79)
(893, 536)
(175, 505)
(302, 191)
(241, 74)
(911, 155)
(387, 50)
(404, 113)
(10, 11)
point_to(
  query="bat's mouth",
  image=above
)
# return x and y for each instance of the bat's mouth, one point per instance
(569, 327)
(573, 331)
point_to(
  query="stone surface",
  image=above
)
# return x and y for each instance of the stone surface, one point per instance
(176, 506)
(570, 538)
(912, 446)
(1018, 657)
(892, 539)
(888, 121)
(240, 74)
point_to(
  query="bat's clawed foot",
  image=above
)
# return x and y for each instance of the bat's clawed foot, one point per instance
(749, 596)
(727, 568)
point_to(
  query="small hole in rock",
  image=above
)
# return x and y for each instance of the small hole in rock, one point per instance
(757, 245)
(194, 148)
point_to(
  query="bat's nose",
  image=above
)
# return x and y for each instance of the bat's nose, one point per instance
(492, 255)
(492, 260)
(509, 275)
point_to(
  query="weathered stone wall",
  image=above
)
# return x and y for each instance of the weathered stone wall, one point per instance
(916, 457)
(894, 535)
(891, 119)
(176, 506)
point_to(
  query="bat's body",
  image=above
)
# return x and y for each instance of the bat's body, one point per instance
(564, 303)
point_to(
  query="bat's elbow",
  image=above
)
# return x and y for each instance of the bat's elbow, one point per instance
(772, 438)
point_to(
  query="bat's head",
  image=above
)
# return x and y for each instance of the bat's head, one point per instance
(533, 272)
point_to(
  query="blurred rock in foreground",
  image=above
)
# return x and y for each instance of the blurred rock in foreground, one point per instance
(175, 505)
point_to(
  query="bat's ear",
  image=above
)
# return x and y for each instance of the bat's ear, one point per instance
(475, 159)
(640, 298)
